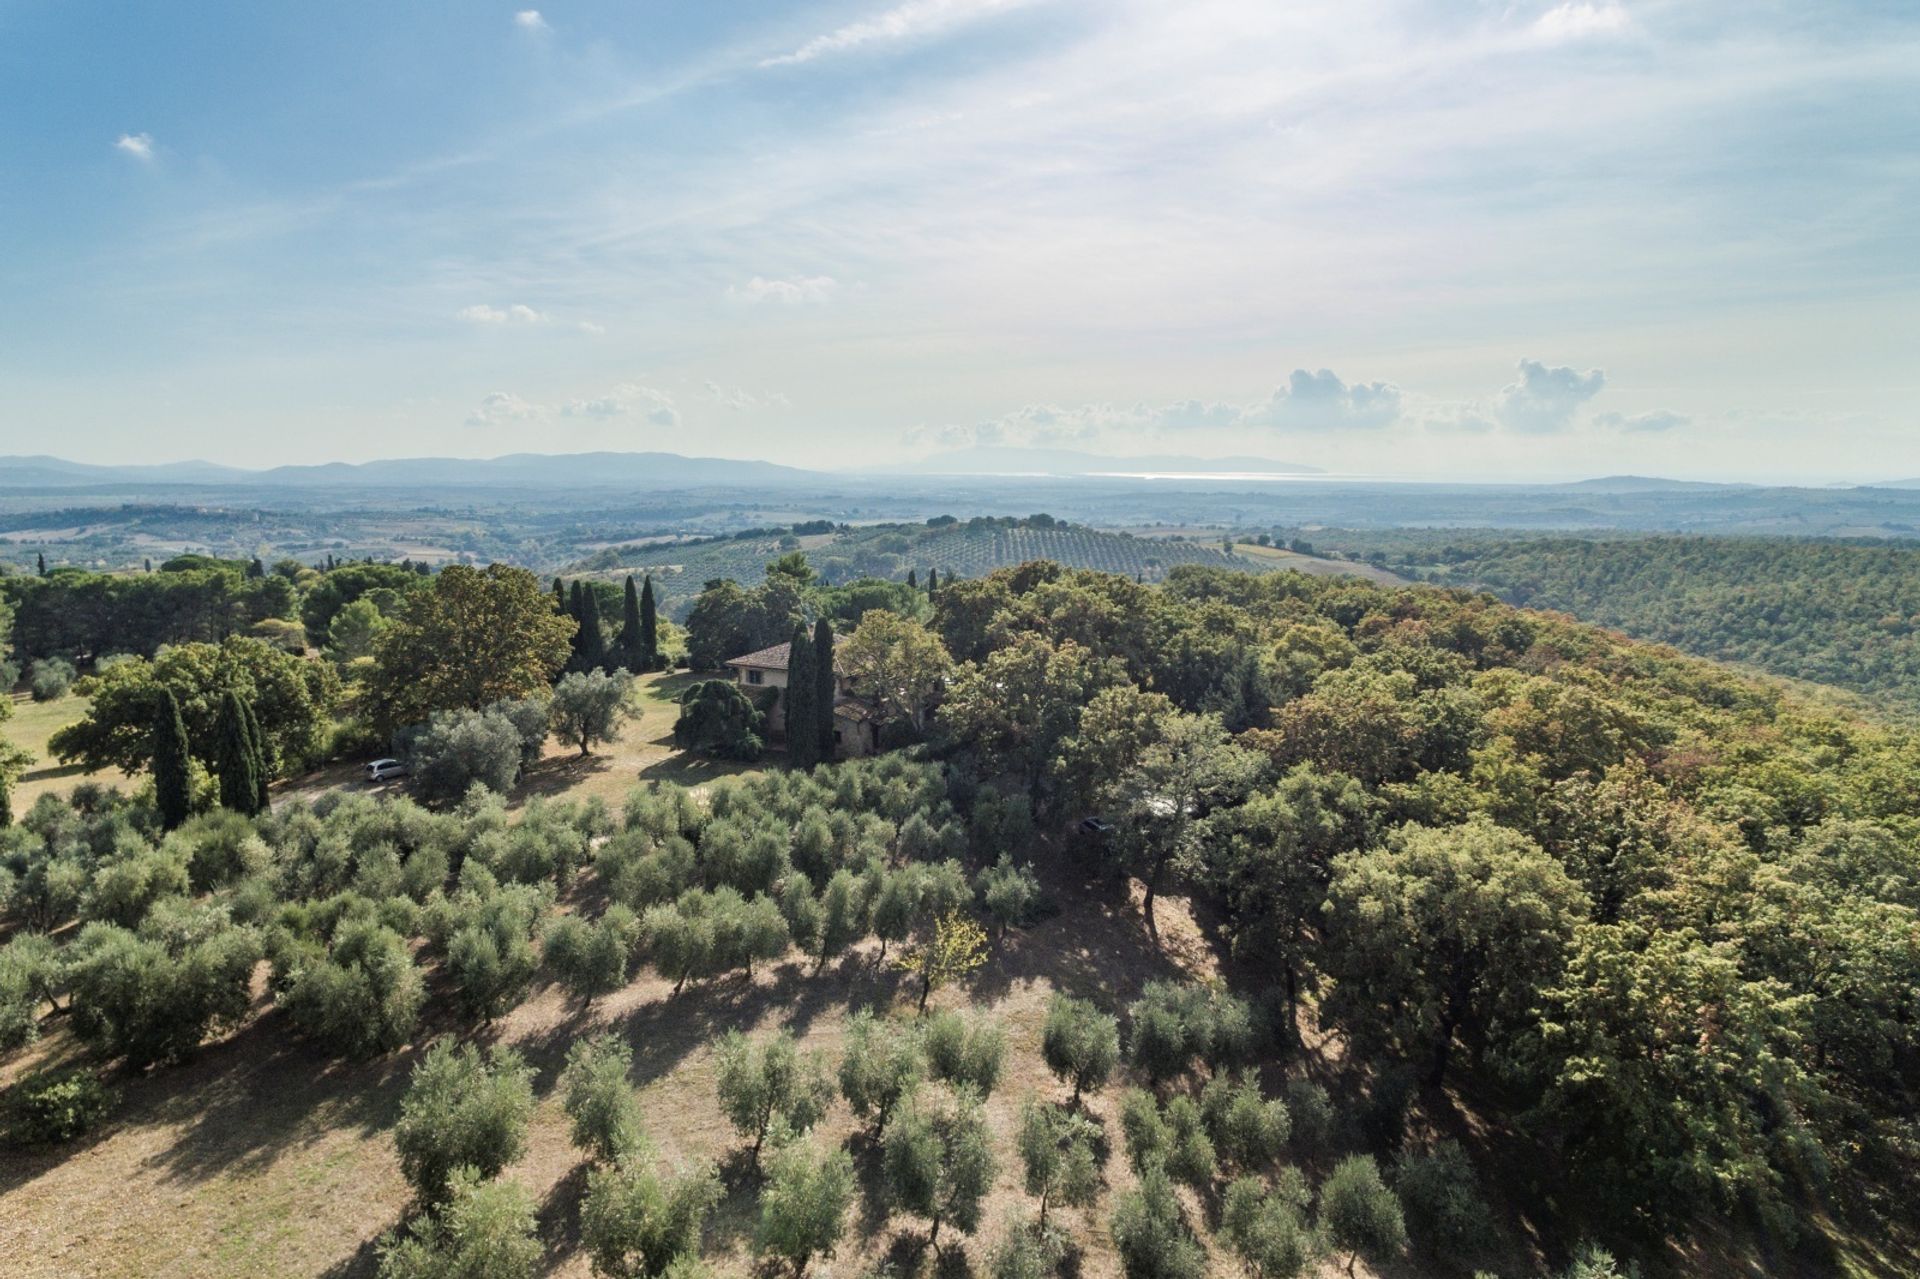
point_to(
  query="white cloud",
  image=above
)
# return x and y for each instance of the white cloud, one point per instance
(502, 407)
(914, 19)
(738, 397)
(812, 288)
(137, 145)
(1654, 420)
(1322, 402)
(481, 313)
(653, 406)
(1582, 20)
(530, 20)
(1545, 398)
(592, 329)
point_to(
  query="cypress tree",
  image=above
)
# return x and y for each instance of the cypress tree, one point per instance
(933, 582)
(262, 770)
(632, 652)
(559, 596)
(803, 690)
(649, 626)
(6, 801)
(172, 778)
(235, 757)
(823, 683)
(913, 581)
(593, 649)
(41, 556)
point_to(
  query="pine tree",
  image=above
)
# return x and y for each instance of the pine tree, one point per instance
(803, 736)
(234, 757)
(262, 769)
(632, 655)
(824, 685)
(172, 782)
(649, 627)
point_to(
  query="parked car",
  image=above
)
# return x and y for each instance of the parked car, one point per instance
(382, 769)
(1098, 827)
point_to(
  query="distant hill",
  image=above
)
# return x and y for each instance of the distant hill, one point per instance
(968, 549)
(517, 470)
(1643, 484)
(988, 460)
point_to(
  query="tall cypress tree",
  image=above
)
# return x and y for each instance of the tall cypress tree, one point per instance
(913, 582)
(41, 559)
(262, 770)
(649, 627)
(559, 596)
(593, 649)
(933, 582)
(172, 778)
(823, 684)
(803, 691)
(234, 757)
(632, 651)
(6, 801)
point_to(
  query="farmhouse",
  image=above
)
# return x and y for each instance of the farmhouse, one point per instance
(855, 731)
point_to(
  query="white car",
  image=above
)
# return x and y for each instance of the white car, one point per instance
(381, 769)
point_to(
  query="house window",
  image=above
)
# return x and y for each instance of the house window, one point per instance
(836, 737)
(753, 677)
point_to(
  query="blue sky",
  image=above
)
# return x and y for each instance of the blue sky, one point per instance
(1548, 238)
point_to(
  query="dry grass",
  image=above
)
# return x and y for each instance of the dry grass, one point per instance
(31, 724)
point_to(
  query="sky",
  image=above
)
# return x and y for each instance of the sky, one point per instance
(1455, 239)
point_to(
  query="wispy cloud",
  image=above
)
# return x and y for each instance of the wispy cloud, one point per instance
(137, 145)
(912, 20)
(802, 289)
(738, 397)
(502, 408)
(530, 20)
(518, 313)
(1654, 420)
(1582, 20)
(626, 400)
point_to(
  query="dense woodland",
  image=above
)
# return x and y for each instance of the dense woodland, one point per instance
(1832, 612)
(1654, 922)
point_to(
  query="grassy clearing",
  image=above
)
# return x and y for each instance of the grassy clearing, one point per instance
(31, 724)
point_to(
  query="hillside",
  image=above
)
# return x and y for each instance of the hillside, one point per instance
(1845, 614)
(954, 549)
(1408, 907)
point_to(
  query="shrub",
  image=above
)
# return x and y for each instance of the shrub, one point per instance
(1173, 1025)
(485, 1230)
(1248, 1129)
(31, 972)
(1059, 1151)
(1268, 1228)
(52, 1106)
(964, 1051)
(1150, 1234)
(718, 719)
(882, 1063)
(151, 1001)
(636, 1224)
(1441, 1199)
(362, 998)
(1311, 1111)
(603, 1108)
(590, 960)
(458, 749)
(1359, 1215)
(490, 954)
(1009, 894)
(1081, 1044)
(1029, 1250)
(806, 1199)
(221, 847)
(772, 1082)
(462, 1110)
(49, 678)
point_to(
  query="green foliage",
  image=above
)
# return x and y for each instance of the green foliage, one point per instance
(937, 1160)
(718, 719)
(882, 1063)
(804, 1204)
(362, 997)
(1267, 1227)
(1358, 1214)
(1009, 893)
(1080, 1043)
(484, 1230)
(32, 970)
(591, 959)
(1248, 1129)
(237, 760)
(589, 706)
(601, 1105)
(172, 776)
(151, 1000)
(758, 1086)
(462, 1110)
(802, 698)
(470, 638)
(1150, 1234)
(1060, 1155)
(965, 1051)
(48, 1107)
(49, 678)
(637, 1225)
(490, 948)
(956, 947)
(459, 749)
(1441, 1198)
(1172, 1026)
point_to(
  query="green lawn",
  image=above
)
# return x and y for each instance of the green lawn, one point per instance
(31, 725)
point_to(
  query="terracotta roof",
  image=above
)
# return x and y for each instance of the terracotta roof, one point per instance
(852, 708)
(767, 659)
